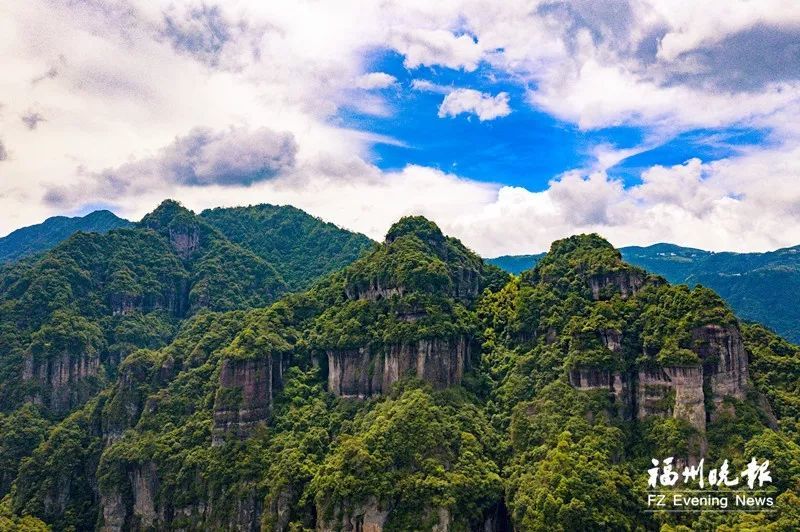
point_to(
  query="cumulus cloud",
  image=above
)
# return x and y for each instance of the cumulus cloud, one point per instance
(438, 47)
(469, 101)
(200, 30)
(149, 91)
(236, 157)
(375, 80)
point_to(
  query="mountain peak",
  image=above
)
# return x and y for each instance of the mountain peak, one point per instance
(418, 226)
(581, 244)
(168, 213)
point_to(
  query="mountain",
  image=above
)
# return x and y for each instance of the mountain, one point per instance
(761, 287)
(516, 264)
(41, 237)
(300, 246)
(418, 388)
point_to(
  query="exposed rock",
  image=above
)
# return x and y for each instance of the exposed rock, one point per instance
(612, 339)
(601, 379)
(113, 512)
(280, 510)
(625, 282)
(676, 391)
(144, 481)
(682, 394)
(64, 381)
(245, 393)
(374, 292)
(174, 300)
(125, 304)
(724, 360)
(367, 517)
(185, 241)
(362, 373)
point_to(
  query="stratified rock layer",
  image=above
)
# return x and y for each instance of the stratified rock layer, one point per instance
(63, 381)
(363, 373)
(244, 398)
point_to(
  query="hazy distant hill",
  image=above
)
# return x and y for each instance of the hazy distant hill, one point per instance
(46, 235)
(762, 287)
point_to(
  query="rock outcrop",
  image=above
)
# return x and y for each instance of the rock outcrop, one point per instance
(677, 391)
(245, 394)
(63, 381)
(363, 373)
(367, 517)
(174, 300)
(626, 282)
(724, 360)
(185, 240)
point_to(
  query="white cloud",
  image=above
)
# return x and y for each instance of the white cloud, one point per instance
(469, 101)
(438, 47)
(375, 80)
(122, 83)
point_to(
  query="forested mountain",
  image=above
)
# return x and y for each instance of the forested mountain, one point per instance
(46, 235)
(300, 246)
(418, 388)
(760, 287)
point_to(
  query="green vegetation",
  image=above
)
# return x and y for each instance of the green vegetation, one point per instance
(210, 408)
(46, 235)
(762, 287)
(300, 246)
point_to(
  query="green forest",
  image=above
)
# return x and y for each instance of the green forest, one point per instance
(256, 368)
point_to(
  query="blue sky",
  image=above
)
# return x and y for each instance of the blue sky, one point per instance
(526, 148)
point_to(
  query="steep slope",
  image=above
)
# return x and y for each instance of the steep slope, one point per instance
(596, 367)
(71, 316)
(421, 389)
(46, 235)
(175, 419)
(300, 246)
(761, 287)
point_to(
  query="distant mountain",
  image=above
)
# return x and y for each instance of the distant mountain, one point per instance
(46, 235)
(300, 246)
(516, 264)
(761, 287)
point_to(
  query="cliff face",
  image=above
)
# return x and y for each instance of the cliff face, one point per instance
(245, 394)
(374, 516)
(63, 381)
(139, 503)
(362, 373)
(678, 391)
(367, 517)
(624, 282)
(724, 360)
(184, 240)
(174, 300)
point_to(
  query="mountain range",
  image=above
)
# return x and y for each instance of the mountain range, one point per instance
(760, 287)
(196, 372)
(46, 235)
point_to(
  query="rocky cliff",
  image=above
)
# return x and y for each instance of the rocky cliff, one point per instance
(245, 394)
(363, 373)
(679, 391)
(64, 380)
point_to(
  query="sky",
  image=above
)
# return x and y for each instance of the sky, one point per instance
(510, 124)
